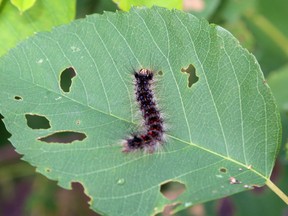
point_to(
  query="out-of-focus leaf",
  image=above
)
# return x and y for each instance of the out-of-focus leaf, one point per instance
(23, 5)
(42, 16)
(268, 23)
(127, 4)
(278, 82)
(233, 10)
(201, 8)
(86, 7)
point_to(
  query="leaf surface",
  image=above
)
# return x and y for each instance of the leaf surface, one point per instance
(224, 126)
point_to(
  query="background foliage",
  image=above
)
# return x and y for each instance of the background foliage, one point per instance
(259, 25)
(20, 19)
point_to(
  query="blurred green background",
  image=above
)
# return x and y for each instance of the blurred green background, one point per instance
(259, 25)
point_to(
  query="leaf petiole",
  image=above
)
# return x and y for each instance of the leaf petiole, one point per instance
(277, 191)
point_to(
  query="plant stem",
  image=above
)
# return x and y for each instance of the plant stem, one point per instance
(277, 191)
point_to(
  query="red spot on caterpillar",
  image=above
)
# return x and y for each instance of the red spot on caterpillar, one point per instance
(153, 135)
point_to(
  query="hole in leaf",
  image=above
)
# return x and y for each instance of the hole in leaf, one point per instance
(223, 170)
(18, 98)
(37, 122)
(77, 195)
(168, 209)
(172, 189)
(66, 78)
(5, 135)
(48, 170)
(193, 78)
(65, 137)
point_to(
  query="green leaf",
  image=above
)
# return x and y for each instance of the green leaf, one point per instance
(42, 16)
(224, 125)
(127, 4)
(23, 5)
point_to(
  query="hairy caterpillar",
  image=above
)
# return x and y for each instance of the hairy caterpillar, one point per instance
(153, 135)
